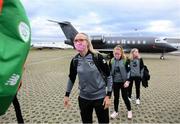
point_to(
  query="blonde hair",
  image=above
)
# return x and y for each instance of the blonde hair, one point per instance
(119, 47)
(132, 52)
(90, 46)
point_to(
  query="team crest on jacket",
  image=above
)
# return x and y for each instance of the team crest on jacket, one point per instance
(91, 64)
(24, 31)
(134, 64)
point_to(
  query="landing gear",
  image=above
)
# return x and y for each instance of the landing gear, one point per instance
(162, 56)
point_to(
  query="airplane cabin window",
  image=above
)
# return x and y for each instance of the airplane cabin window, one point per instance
(139, 42)
(108, 41)
(144, 42)
(123, 42)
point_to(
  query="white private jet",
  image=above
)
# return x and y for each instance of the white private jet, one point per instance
(50, 45)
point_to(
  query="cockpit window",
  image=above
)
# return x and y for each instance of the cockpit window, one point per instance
(160, 41)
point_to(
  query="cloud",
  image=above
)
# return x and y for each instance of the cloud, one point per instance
(88, 18)
(149, 17)
(42, 28)
(161, 26)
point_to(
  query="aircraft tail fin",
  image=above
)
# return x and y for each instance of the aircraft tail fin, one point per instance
(69, 31)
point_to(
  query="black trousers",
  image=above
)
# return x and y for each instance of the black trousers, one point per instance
(86, 110)
(137, 84)
(116, 90)
(18, 110)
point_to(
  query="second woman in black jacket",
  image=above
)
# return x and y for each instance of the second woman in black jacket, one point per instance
(119, 66)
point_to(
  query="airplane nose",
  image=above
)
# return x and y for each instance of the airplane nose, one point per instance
(171, 48)
(166, 47)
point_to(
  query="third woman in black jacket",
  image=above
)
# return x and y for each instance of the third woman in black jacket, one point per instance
(136, 73)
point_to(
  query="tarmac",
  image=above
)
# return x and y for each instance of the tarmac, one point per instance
(44, 83)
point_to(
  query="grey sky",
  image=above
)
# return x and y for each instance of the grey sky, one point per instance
(109, 17)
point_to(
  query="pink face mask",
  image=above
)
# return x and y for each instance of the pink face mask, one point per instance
(79, 47)
(117, 56)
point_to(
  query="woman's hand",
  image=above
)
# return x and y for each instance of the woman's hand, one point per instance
(107, 102)
(126, 84)
(66, 102)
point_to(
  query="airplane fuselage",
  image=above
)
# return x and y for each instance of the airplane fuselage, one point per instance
(144, 44)
(107, 43)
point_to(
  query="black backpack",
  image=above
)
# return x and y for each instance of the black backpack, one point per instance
(146, 73)
(146, 77)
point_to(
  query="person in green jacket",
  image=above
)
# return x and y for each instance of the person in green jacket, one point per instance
(15, 38)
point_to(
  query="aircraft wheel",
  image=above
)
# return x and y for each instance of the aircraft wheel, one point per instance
(162, 58)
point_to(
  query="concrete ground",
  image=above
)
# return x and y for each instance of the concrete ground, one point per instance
(44, 83)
